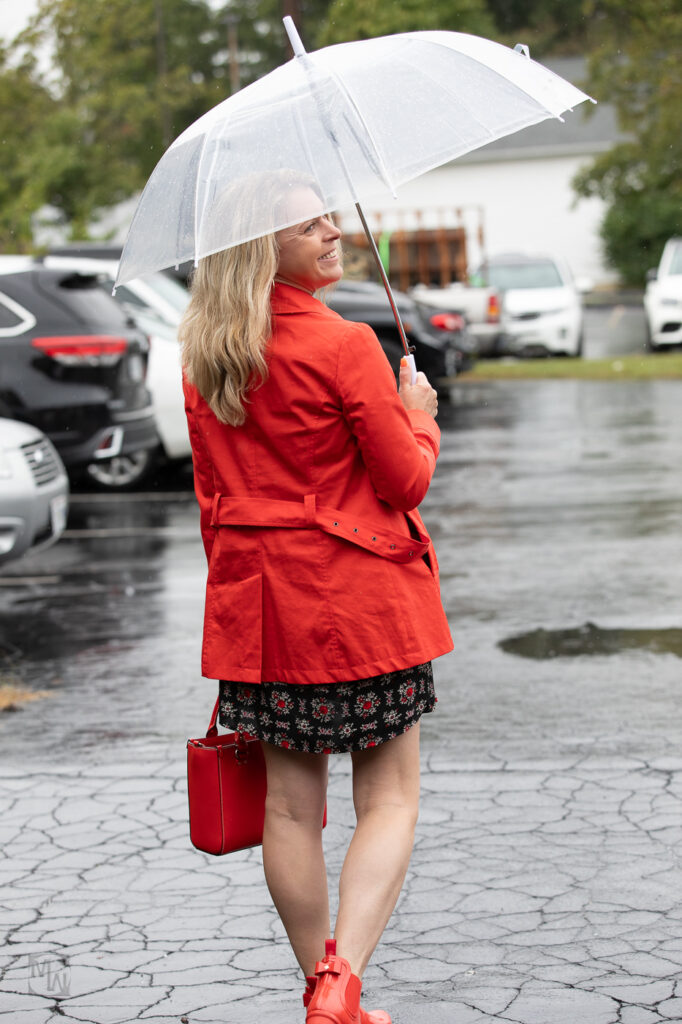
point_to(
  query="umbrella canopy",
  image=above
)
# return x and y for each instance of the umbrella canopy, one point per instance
(358, 119)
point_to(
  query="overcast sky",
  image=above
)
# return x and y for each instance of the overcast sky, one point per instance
(14, 15)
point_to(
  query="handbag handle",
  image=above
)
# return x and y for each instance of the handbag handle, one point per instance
(241, 749)
(212, 727)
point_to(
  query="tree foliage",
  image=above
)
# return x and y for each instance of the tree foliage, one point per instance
(635, 65)
(363, 19)
(129, 78)
(550, 26)
(35, 149)
(262, 40)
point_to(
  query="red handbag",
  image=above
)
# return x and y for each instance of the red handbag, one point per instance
(226, 787)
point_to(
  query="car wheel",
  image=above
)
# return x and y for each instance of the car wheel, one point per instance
(123, 472)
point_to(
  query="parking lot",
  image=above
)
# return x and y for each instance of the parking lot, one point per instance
(545, 878)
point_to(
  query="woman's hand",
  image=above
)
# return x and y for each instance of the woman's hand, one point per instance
(419, 395)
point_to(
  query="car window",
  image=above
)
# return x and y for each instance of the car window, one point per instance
(8, 318)
(86, 297)
(172, 291)
(676, 262)
(538, 274)
(14, 319)
(127, 296)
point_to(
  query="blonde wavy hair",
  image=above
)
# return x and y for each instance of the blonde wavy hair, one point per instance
(226, 327)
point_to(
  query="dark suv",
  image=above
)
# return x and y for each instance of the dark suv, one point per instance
(73, 364)
(440, 353)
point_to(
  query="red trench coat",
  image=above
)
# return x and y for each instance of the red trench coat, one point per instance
(320, 569)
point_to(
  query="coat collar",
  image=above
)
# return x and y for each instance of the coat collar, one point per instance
(287, 299)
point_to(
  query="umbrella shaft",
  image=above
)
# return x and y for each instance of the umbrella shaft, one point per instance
(384, 278)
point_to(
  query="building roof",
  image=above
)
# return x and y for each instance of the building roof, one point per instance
(587, 130)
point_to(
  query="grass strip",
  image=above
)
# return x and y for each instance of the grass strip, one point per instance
(644, 366)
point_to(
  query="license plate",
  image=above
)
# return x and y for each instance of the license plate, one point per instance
(58, 510)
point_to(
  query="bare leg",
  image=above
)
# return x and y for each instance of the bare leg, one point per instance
(386, 798)
(292, 849)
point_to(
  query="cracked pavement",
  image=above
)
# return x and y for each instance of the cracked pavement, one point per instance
(546, 878)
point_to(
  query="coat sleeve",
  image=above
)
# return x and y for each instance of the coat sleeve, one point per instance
(204, 486)
(399, 448)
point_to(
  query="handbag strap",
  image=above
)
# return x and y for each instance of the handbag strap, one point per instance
(240, 736)
(212, 727)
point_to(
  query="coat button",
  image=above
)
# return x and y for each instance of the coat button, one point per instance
(355, 529)
(335, 524)
(392, 547)
(411, 553)
(373, 538)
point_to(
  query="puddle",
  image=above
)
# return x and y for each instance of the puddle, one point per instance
(590, 639)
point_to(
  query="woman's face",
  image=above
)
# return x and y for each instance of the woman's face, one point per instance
(308, 255)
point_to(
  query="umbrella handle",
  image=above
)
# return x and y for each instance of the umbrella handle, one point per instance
(413, 367)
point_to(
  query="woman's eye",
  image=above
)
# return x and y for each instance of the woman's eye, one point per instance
(311, 227)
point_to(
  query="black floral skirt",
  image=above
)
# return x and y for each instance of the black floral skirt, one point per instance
(329, 718)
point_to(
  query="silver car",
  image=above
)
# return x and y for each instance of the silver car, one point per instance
(34, 490)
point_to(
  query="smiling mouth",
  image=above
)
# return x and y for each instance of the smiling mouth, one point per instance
(330, 255)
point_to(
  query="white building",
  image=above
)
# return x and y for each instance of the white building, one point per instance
(515, 195)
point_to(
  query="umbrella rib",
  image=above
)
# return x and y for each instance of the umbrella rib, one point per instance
(197, 217)
(304, 143)
(347, 95)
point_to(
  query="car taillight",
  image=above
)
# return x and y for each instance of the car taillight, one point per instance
(82, 349)
(448, 321)
(493, 309)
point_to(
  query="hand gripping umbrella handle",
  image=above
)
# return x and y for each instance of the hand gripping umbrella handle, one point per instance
(409, 359)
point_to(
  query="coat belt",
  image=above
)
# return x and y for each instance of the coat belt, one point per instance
(308, 515)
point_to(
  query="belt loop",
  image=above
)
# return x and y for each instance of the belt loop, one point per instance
(214, 508)
(309, 505)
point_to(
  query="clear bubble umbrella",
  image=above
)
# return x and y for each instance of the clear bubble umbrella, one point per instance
(358, 119)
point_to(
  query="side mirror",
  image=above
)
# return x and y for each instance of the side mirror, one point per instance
(584, 284)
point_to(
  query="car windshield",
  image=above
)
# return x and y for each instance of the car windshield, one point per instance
(535, 274)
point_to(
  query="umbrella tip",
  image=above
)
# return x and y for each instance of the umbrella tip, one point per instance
(522, 48)
(294, 38)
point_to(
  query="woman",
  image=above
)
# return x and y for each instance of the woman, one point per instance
(322, 607)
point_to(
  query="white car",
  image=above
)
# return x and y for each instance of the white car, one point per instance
(663, 298)
(541, 306)
(156, 302)
(34, 490)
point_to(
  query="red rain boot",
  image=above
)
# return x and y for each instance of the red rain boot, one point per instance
(333, 996)
(310, 984)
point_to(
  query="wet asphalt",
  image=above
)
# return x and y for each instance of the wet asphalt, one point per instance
(545, 883)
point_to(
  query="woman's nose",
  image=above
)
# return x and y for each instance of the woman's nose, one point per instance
(332, 230)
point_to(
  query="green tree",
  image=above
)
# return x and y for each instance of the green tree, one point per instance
(127, 79)
(549, 26)
(363, 19)
(35, 149)
(261, 37)
(635, 65)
